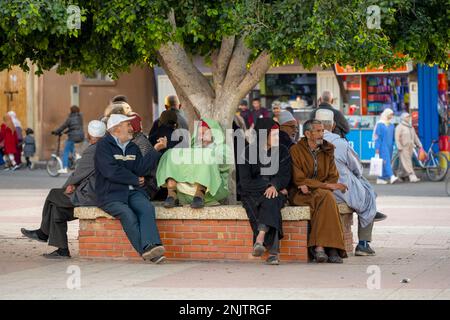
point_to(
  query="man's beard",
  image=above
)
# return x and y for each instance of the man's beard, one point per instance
(319, 142)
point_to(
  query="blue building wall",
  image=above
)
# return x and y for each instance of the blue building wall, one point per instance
(428, 101)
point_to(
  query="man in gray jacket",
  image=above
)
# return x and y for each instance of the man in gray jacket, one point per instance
(77, 191)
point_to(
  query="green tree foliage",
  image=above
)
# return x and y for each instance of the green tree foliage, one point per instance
(116, 34)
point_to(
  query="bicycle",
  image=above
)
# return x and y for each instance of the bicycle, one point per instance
(435, 165)
(54, 164)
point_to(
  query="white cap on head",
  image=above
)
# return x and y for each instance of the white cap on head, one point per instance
(285, 116)
(116, 119)
(96, 129)
(325, 115)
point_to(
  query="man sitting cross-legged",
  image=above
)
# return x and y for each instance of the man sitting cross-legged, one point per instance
(120, 170)
(77, 191)
(361, 196)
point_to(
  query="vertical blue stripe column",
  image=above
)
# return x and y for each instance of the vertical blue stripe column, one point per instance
(428, 101)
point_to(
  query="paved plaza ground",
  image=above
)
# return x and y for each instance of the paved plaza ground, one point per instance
(413, 243)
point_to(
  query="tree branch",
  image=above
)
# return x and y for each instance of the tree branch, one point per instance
(181, 69)
(257, 70)
(220, 61)
(238, 64)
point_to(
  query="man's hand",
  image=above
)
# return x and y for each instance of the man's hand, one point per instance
(337, 186)
(141, 181)
(271, 192)
(70, 189)
(304, 189)
(284, 191)
(161, 144)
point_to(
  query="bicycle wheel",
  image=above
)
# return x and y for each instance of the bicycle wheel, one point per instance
(53, 166)
(447, 185)
(436, 167)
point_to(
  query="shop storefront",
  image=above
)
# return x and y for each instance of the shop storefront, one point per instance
(367, 94)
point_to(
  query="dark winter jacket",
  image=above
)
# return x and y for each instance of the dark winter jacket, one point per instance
(74, 124)
(342, 127)
(29, 147)
(116, 170)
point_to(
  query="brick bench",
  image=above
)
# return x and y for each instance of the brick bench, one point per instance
(211, 233)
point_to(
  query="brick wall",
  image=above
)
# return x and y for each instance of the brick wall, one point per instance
(191, 240)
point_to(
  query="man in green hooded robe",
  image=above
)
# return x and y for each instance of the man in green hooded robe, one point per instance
(197, 175)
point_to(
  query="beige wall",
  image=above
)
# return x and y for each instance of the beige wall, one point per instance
(55, 101)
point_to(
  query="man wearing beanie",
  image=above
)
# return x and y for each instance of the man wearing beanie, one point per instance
(77, 191)
(288, 129)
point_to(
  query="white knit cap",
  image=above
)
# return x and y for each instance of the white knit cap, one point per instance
(116, 119)
(285, 116)
(325, 115)
(96, 129)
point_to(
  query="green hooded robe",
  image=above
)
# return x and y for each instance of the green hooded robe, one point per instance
(208, 166)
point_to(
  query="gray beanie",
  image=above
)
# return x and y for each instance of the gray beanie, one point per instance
(285, 116)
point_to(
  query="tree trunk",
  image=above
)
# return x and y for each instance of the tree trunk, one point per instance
(232, 80)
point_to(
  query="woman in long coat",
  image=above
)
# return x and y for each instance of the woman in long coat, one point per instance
(406, 140)
(384, 145)
(264, 187)
(9, 141)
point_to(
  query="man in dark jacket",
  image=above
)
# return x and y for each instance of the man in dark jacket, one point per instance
(74, 126)
(120, 170)
(288, 129)
(77, 191)
(258, 111)
(325, 102)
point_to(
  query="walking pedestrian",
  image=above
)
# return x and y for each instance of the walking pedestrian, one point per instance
(406, 140)
(18, 126)
(9, 142)
(29, 148)
(74, 126)
(383, 135)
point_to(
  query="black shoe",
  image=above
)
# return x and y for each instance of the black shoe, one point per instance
(273, 260)
(379, 217)
(363, 251)
(58, 254)
(197, 203)
(333, 256)
(33, 234)
(153, 251)
(171, 202)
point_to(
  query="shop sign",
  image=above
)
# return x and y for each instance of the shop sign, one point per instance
(349, 70)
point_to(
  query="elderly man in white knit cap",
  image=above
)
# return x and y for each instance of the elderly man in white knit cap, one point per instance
(288, 129)
(360, 196)
(77, 191)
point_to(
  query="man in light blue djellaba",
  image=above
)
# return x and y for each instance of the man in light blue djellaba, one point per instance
(360, 196)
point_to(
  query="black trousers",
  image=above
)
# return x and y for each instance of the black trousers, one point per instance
(265, 215)
(58, 209)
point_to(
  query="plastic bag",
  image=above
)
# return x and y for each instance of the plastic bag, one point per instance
(376, 166)
(422, 155)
